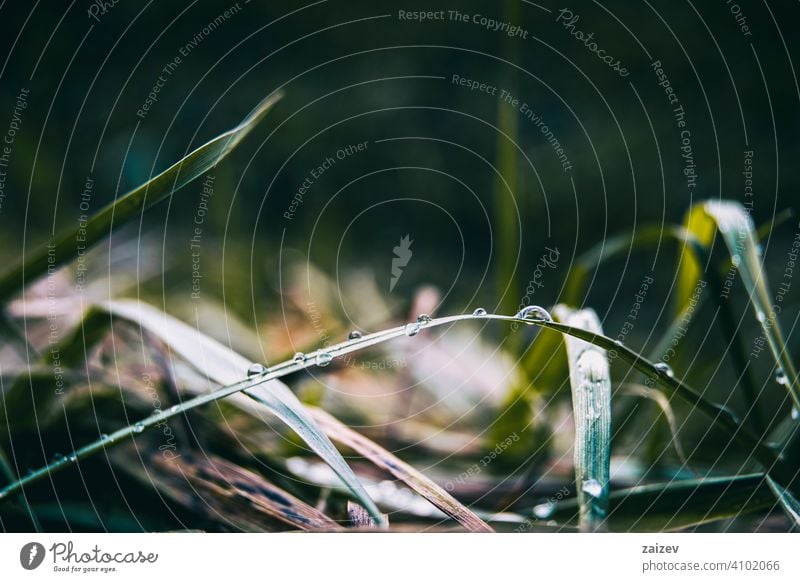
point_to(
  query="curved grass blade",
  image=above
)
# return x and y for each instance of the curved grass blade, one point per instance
(401, 470)
(224, 366)
(642, 391)
(719, 415)
(788, 502)
(67, 246)
(693, 253)
(736, 227)
(617, 246)
(646, 237)
(678, 504)
(590, 378)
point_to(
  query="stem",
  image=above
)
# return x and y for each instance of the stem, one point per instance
(718, 414)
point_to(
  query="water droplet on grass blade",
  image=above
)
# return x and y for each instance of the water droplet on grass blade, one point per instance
(480, 312)
(299, 357)
(256, 369)
(412, 329)
(664, 368)
(592, 488)
(544, 510)
(780, 377)
(138, 427)
(423, 319)
(355, 334)
(72, 458)
(58, 458)
(323, 359)
(534, 313)
(795, 413)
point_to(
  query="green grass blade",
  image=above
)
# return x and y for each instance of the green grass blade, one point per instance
(590, 378)
(719, 415)
(788, 502)
(506, 186)
(619, 246)
(224, 366)
(665, 406)
(65, 247)
(678, 504)
(736, 226)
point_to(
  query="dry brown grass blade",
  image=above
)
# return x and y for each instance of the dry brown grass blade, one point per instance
(401, 470)
(224, 492)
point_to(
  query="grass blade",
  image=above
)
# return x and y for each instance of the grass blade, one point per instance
(359, 517)
(506, 220)
(401, 470)
(788, 502)
(678, 504)
(619, 246)
(224, 366)
(236, 496)
(65, 247)
(663, 403)
(590, 378)
(719, 415)
(736, 226)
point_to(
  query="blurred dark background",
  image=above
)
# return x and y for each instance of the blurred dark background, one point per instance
(355, 72)
(478, 185)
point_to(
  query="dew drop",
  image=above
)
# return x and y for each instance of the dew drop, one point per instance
(423, 319)
(592, 488)
(72, 458)
(256, 370)
(174, 408)
(480, 312)
(138, 427)
(104, 437)
(780, 377)
(355, 334)
(534, 313)
(412, 329)
(795, 413)
(299, 357)
(57, 458)
(761, 316)
(323, 359)
(544, 510)
(593, 366)
(664, 368)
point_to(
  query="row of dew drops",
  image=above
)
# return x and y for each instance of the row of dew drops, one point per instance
(531, 313)
(322, 359)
